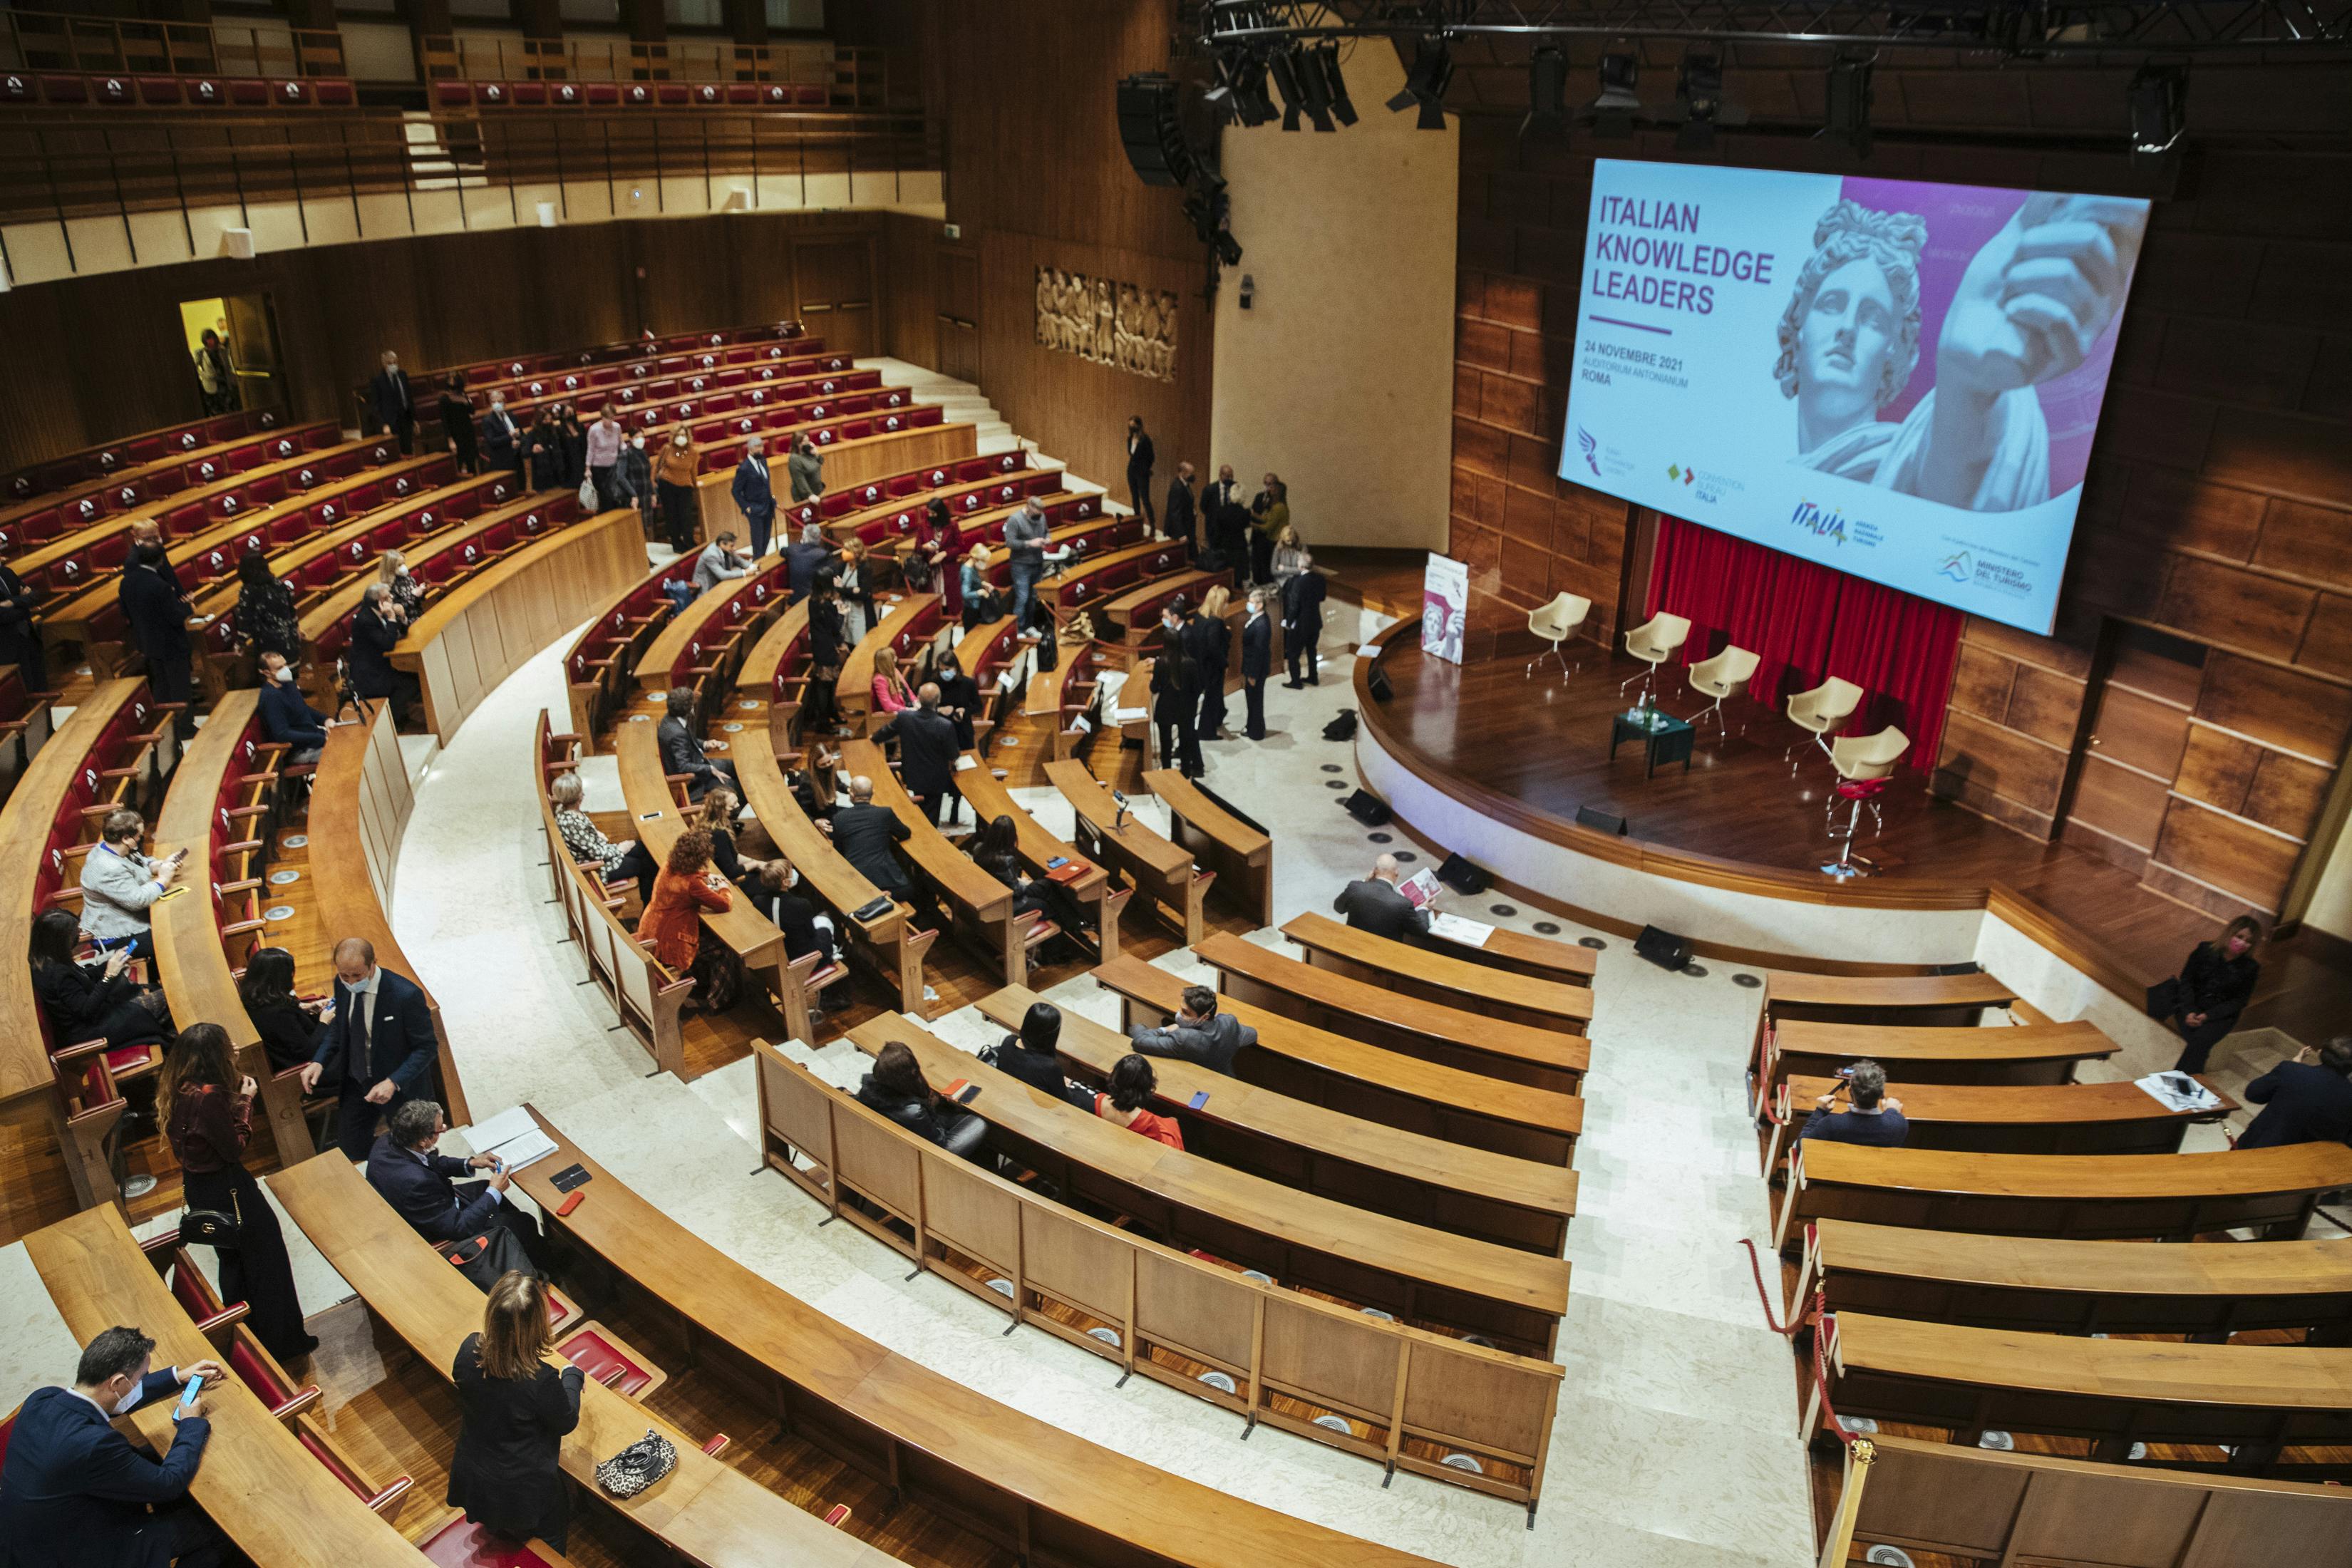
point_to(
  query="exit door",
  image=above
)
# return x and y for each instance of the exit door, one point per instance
(958, 291)
(2139, 713)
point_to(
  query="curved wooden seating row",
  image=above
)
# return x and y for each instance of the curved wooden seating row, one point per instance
(981, 906)
(1390, 1385)
(1082, 584)
(2056, 1286)
(704, 1511)
(642, 991)
(2022, 1054)
(1313, 1243)
(569, 370)
(714, 413)
(1240, 853)
(220, 809)
(258, 1482)
(857, 447)
(657, 817)
(1523, 953)
(1162, 871)
(68, 575)
(886, 509)
(991, 654)
(1042, 854)
(2013, 1119)
(27, 524)
(1407, 1175)
(905, 624)
(123, 453)
(888, 943)
(1132, 618)
(1973, 1504)
(1435, 975)
(1496, 1047)
(597, 665)
(703, 643)
(1909, 1001)
(1063, 700)
(1366, 1081)
(2264, 1401)
(776, 671)
(2178, 1196)
(119, 748)
(647, 403)
(26, 722)
(360, 801)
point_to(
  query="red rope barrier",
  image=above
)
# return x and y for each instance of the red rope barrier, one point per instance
(1830, 1417)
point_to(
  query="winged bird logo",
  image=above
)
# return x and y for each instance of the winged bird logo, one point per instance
(1591, 447)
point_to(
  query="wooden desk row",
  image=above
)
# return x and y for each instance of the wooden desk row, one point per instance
(2009, 1119)
(1907, 1001)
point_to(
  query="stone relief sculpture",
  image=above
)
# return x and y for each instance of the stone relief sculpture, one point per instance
(1117, 324)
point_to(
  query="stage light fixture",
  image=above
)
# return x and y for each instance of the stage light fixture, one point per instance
(1286, 82)
(1239, 97)
(1611, 113)
(1848, 102)
(1425, 83)
(2160, 108)
(1547, 92)
(1314, 89)
(1699, 102)
(1327, 59)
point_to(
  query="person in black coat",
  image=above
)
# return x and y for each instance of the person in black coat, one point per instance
(896, 1088)
(803, 559)
(2213, 987)
(1302, 625)
(393, 403)
(1257, 662)
(20, 643)
(1207, 641)
(421, 1185)
(83, 1002)
(828, 645)
(1224, 518)
(927, 751)
(288, 1031)
(682, 752)
(287, 717)
(995, 848)
(457, 425)
(1139, 458)
(775, 893)
(516, 1406)
(863, 833)
(1176, 696)
(959, 699)
(1031, 1056)
(377, 626)
(501, 437)
(1179, 517)
(1374, 905)
(542, 451)
(75, 1493)
(2306, 1101)
(571, 445)
(1198, 1034)
(373, 1066)
(158, 615)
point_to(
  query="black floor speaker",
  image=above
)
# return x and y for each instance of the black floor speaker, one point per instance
(1367, 809)
(1376, 683)
(1593, 816)
(1663, 947)
(1462, 876)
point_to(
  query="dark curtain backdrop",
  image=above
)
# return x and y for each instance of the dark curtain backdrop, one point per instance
(1807, 621)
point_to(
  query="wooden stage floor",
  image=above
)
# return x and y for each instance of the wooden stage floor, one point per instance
(1544, 741)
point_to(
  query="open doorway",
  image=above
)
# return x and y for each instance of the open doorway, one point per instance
(232, 347)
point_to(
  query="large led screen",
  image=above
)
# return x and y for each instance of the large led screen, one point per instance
(1896, 379)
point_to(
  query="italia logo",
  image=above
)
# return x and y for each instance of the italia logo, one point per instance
(1822, 525)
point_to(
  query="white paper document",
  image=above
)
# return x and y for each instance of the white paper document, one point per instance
(1453, 927)
(2178, 1091)
(1420, 887)
(513, 1136)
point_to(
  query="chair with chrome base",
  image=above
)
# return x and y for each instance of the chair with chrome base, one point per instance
(1724, 676)
(1821, 709)
(1653, 642)
(1863, 763)
(1556, 623)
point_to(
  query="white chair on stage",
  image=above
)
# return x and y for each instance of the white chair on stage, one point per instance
(1653, 642)
(1726, 675)
(1556, 622)
(1821, 709)
(1864, 764)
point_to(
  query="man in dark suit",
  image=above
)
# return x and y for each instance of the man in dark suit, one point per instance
(927, 751)
(775, 888)
(1140, 458)
(1257, 662)
(1224, 516)
(681, 753)
(753, 496)
(157, 614)
(1207, 641)
(376, 1044)
(1198, 1034)
(287, 718)
(377, 626)
(501, 438)
(75, 1493)
(2306, 1101)
(394, 405)
(421, 1184)
(1179, 517)
(804, 560)
(1375, 905)
(863, 833)
(1302, 625)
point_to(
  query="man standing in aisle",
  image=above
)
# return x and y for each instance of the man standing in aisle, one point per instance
(753, 496)
(1177, 518)
(396, 408)
(1025, 535)
(1139, 458)
(376, 1045)
(1257, 662)
(603, 452)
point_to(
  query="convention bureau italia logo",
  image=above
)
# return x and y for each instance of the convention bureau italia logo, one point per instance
(1957, 567)
(1682, 471)
(1590, 447)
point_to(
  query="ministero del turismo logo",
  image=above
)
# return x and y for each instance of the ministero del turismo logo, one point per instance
(1958, 566)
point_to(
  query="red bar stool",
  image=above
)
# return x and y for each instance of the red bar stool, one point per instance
(1864, 764)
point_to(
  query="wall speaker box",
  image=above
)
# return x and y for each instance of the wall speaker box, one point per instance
(1376, 683)
(1970, 968)
(237, 244)
(1593, 816)
(1367, 809)
(1150, 130)
(1663, 947)
(1462, 876)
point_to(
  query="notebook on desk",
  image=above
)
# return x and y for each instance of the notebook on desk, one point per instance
(513, 1136)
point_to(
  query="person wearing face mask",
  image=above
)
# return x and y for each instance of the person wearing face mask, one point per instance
(543, 451)
(1257, 662)
(1227, 521)
(633, 481)
(753, 496)
(501, 437)
(287, 717)
(75, 1490)
(267, 617)
(571, 445)
(603, 452)
(674, 480)
(1176, 694)
(775, 893)
(391, 571)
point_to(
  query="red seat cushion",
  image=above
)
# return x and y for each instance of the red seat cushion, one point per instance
(597, 1356)
(1860, 789)
(463, 1544)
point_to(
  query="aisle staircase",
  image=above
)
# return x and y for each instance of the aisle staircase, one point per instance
(965, 402)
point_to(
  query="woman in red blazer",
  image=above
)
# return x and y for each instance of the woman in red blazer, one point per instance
(671, 925)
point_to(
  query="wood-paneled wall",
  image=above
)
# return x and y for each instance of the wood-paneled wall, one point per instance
(2217, 508)
(98, 356)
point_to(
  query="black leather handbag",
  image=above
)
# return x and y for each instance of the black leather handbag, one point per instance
(210, 1227)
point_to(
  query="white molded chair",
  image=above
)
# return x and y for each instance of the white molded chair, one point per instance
(1556, 623)
(1653, 642)
(1864, 764)
(1724, 676)
(1821, 709)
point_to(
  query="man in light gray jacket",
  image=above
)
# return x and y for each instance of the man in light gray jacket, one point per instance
(120, 885)
(1024, 536)
(1198, 1034)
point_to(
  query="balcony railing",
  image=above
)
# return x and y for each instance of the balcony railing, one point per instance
(855, 78)
(36, 41)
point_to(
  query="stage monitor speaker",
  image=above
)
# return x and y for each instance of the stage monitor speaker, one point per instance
(1462, 876)
(1343, 728)
(1367, 809)
(1955, 968)
(1150, 130)
(1663, 947)
(1376, 683)
(1594, 817)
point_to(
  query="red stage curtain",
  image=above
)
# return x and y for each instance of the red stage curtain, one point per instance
(1806, 622)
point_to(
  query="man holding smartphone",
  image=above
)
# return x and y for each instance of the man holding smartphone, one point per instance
(120, 885)
(1872, 1117)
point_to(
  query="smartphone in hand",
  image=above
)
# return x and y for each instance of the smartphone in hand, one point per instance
(188, 1397)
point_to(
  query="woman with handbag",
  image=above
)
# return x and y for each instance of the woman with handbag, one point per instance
(207, 1111)
(517, 1402)
(2212, 988)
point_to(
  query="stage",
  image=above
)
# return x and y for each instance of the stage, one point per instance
(1489, 759)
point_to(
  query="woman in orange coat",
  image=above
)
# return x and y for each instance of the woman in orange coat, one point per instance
(671, 925)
